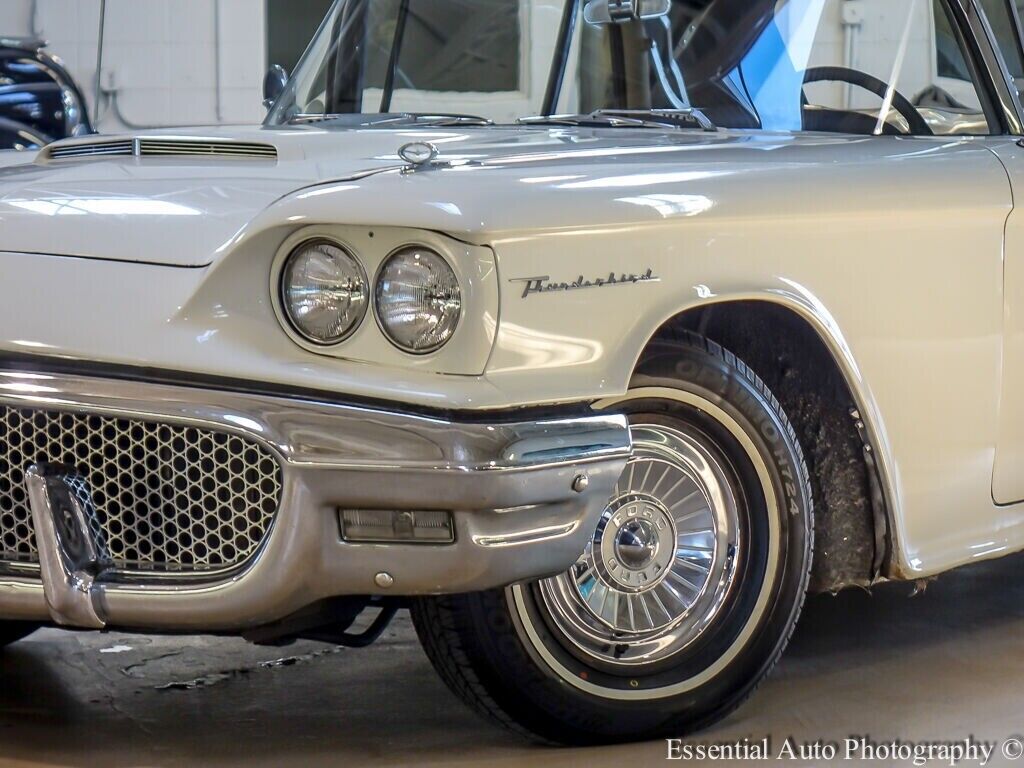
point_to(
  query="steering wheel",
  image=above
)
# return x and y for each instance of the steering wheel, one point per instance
(918, 125)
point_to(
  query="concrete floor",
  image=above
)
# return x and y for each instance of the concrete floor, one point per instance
(938, 666)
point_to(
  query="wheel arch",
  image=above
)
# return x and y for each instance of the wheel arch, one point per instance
(795, 345)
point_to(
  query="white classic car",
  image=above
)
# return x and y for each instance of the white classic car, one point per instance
(595, 332)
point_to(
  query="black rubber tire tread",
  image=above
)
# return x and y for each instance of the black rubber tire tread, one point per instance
(441, 630)
(716, 350)
(447, 635)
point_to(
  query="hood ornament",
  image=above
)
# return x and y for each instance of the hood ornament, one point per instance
(418, 154)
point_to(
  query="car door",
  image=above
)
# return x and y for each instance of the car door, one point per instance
(1008, 474)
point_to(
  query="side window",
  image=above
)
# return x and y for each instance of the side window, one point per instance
(912, 46)
(952, 105)
(860, 67)
(1004, 17)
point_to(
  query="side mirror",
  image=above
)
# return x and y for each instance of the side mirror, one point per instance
(274, 83)
(600, 12)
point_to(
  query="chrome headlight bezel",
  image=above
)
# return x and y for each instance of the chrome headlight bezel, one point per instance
(376, 291)
(286, 309)
(475, 269)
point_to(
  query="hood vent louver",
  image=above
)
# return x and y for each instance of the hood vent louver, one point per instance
(165, 147)
(159, 147)
(90, 149)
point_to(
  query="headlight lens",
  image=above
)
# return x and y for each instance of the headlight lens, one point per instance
(324, 291)
(418, 300)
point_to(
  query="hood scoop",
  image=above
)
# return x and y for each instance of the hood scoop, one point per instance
(157, 147)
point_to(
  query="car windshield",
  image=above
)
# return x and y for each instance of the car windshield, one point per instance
(876, 66)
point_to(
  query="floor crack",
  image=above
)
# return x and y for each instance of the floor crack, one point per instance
(213, 678)
(127, 670)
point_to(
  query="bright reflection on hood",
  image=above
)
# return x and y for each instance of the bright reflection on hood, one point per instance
(643, 179)
(104, 206)
(672, 205)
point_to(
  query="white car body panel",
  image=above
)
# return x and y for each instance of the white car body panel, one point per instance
(1008, 474)
(16, 157)
(891, 248)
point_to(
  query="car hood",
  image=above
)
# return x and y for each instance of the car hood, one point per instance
(185, 210)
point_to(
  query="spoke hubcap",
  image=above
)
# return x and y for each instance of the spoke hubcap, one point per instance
(661, 561)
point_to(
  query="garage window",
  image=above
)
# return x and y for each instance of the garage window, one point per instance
(447, 45)
(290, 26)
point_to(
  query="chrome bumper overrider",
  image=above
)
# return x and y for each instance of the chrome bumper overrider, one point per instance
(524, 496)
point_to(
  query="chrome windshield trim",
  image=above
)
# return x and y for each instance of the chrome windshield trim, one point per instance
(1005, 90)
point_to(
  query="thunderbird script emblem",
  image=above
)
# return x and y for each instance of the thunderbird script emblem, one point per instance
(532, 285)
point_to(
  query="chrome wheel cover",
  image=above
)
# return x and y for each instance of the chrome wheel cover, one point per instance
(661, 562)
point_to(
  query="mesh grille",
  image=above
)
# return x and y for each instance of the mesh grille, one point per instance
(168, 498)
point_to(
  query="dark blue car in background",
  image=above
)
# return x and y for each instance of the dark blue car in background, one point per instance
(39, 100)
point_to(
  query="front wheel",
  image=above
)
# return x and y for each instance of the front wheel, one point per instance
(688, 590)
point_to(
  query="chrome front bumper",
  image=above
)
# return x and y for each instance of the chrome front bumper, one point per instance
(525, 497)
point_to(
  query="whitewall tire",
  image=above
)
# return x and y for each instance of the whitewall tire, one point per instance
(688, 591)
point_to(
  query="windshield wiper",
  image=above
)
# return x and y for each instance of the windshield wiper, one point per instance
(443, 119)
(438, 120)
(629, 118)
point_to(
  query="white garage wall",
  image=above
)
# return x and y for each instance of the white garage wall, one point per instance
(160, 64)
(15, 17)
(870, 46)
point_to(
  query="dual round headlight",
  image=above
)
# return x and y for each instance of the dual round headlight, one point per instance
(324, 292)
(418, 300)
(325, 295)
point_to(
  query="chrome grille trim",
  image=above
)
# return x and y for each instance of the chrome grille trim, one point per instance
(159, 147)
(170, 498)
